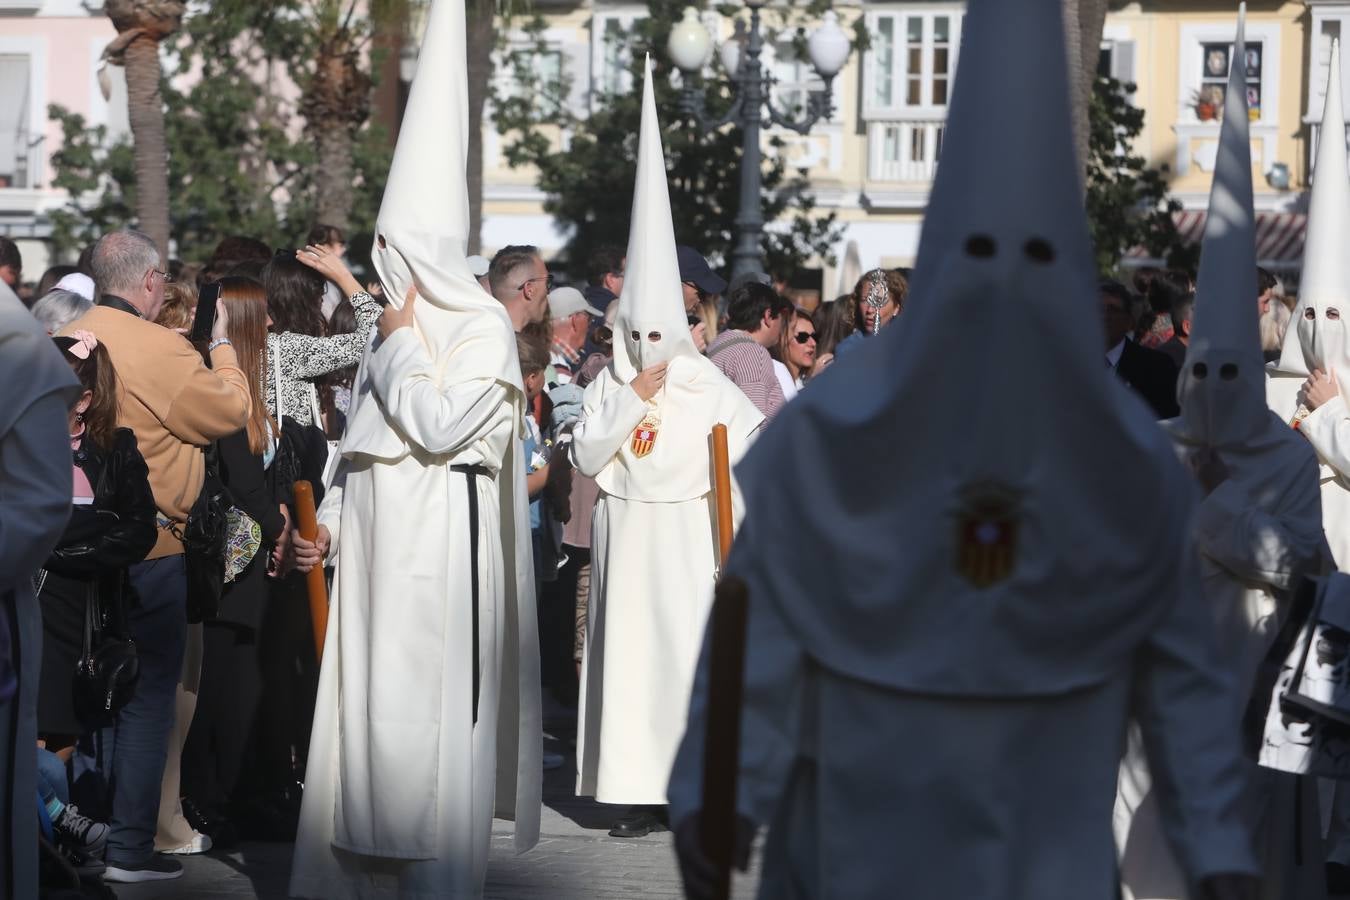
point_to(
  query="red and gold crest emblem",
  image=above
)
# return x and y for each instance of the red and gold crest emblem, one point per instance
(987, 531)
(644, 436)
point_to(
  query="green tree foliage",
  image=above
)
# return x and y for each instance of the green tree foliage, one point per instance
(588, 178)
(238, 162)
(1127, 202)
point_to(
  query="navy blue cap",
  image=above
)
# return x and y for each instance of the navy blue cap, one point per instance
(695, 269)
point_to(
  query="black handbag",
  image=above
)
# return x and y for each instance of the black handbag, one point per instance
(107, 670)
(203, 538)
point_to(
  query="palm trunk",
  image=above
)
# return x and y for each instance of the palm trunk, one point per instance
(145, 109)
(333, 177)
(1083, 23)
(482, 37)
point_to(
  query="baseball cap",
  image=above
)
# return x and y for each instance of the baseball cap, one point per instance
(565, 301)
(695, 269)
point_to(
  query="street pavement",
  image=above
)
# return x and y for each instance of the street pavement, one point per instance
(574, 860)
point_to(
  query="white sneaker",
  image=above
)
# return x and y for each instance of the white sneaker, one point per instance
(200, 843)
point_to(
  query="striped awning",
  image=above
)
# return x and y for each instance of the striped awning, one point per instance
(1279, 236)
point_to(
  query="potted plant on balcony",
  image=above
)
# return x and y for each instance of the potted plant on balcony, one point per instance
(1208, 103)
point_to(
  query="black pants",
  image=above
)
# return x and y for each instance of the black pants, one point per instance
(227, 702)
(290, 680)
(557, 605)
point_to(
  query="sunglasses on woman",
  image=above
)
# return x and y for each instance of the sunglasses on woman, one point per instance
(802, 337)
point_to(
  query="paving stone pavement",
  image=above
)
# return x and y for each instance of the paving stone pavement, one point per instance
(574, 860)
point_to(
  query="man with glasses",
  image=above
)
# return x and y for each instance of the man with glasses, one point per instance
(175, 405)
(520, 281)
(1149, 372)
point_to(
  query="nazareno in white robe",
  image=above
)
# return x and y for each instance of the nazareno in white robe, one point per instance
(1256, 534)
(867, 785)
(653, 560)
(401, 785)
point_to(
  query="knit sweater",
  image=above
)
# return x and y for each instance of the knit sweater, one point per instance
(173, 403)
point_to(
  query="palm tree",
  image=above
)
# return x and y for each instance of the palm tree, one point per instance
(1083, 24)
(141, 25)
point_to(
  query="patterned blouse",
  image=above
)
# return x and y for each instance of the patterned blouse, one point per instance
(302, 358)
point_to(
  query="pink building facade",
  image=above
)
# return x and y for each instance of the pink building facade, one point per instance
(49, 54)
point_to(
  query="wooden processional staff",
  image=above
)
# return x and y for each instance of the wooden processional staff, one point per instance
(318, 590)
(726, 676)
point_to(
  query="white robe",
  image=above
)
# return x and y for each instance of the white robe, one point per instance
(868, 790)
(1327, 428)
(1256, 533)
(652, 570)
(401, 786)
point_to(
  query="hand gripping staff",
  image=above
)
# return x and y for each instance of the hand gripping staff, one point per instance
(722, 749)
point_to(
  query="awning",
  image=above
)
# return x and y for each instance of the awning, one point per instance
(1279, 237)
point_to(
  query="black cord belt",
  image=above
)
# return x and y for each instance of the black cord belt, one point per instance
(472, 474)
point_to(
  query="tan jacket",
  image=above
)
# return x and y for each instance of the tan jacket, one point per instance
(173, 403)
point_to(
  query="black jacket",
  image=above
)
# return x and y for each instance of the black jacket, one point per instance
(241, 471)
(1153, 377)
(118, 528)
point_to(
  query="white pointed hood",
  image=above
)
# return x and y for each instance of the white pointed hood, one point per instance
(422, 230)
(1320, 342)
(651, 302)
(988, 505)
(1222, 387)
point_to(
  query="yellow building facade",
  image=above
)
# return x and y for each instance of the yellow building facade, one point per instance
(873, 161)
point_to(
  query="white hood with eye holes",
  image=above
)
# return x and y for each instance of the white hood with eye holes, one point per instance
(421, 237)
(651, 302)
(1222, 386)
(1315, 339)
(990, 513)
(651, 328)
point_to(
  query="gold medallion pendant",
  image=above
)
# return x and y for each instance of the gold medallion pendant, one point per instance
(986, 533)
(644, 436)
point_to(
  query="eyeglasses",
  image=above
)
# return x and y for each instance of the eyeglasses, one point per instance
(547, 279)
(167, 278)
(802, 337)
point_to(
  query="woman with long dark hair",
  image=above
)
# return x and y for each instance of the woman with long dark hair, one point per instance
(229, 686)
(299, 343)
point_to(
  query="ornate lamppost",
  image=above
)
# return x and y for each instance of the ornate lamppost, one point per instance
(690, 48)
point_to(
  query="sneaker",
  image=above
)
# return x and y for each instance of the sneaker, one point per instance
(156, 868)
(218, 830)
(80, 833)
(200, 843)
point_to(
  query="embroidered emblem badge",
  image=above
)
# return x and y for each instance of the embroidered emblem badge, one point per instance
(644, 436)
(987, 530)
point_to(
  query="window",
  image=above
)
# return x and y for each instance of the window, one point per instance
(1206, 52)
(1215, 58)
(15, 115)
(611, 59)
(794, 80)
(532, 69)
(912, 59)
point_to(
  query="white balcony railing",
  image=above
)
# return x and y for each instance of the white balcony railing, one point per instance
(903, 150)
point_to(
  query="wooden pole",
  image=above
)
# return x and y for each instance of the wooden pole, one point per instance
(722, 491)
(318, 589)
(726, 677)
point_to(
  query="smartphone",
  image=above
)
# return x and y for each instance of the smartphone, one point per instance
(205, 318)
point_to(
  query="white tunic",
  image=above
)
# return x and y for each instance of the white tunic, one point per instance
(865, 787)
(652, 568)
(1255, 533)
(401, 784)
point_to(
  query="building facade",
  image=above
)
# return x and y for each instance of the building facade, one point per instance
(871, 163)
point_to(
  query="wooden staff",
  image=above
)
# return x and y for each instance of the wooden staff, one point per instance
(726, 677)
(318, 589)
(722, 491)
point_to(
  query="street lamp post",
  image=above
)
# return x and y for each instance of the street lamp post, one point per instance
(690, 48)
